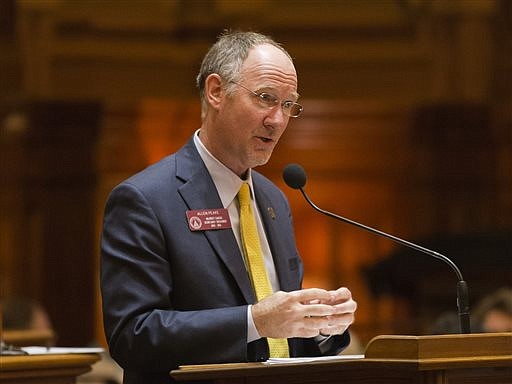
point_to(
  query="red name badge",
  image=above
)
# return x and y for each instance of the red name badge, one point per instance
(208, 219)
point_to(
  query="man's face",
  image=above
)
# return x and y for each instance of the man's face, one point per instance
(249, 131)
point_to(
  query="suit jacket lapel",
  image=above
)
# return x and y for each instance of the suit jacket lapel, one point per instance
(199, 192)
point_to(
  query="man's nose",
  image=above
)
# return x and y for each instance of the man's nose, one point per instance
(277, 116)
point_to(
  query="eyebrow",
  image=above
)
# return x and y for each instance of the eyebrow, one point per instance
(295, 95)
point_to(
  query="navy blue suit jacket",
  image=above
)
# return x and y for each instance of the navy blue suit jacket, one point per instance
(172, 296)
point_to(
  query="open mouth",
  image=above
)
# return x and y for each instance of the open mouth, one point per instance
(265, 139)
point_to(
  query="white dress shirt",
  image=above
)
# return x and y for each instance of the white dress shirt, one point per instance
(228, 184)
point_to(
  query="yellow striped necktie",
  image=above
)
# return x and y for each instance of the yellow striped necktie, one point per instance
(254, 259)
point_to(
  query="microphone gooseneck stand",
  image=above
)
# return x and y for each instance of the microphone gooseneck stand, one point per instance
(295, 177)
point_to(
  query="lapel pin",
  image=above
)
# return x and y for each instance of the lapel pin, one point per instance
(271, 213)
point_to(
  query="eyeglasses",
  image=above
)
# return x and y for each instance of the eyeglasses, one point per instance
(290, 108)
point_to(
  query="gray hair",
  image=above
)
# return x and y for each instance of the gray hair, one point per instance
(226, 58)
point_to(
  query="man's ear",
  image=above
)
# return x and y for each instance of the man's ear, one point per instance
(213, 90)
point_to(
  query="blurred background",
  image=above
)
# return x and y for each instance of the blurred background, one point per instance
(407, 128)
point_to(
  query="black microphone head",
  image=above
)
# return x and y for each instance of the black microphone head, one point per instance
(294, 176)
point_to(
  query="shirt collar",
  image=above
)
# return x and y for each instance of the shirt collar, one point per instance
(226, 181)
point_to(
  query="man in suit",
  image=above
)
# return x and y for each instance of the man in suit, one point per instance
(176, 279)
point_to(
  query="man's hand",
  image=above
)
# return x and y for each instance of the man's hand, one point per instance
(345, 306)
(304, 313)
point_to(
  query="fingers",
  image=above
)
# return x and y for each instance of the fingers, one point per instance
(340, 302)
(337, 324)
(344, 307)
(317, 310)
(339, 296)
(326, 325)
(349, 306)
(304, 313)
(314, 302)
(312, 295)
(332, 330)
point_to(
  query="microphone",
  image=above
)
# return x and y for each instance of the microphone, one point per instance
(295, 177)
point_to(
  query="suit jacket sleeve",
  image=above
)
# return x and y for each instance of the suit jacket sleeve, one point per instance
(146, 328)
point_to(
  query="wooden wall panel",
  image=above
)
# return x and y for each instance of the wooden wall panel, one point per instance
(49, 252)
(366, 70)
(363, 162)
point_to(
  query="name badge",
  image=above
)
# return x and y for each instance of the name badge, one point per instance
(208, 219)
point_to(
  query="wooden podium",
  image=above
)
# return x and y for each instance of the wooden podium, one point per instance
(28, 337)
(442, 359)
(45, 369)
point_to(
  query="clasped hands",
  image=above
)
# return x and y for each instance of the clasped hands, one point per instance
(304, 313)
